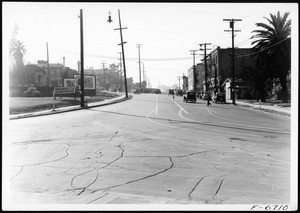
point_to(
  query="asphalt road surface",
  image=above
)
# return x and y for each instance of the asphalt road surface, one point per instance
(150, 149)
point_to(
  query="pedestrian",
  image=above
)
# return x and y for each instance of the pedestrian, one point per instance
(208, 100)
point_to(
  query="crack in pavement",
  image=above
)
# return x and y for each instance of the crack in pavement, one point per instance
(139, 179)
(218, 189)
(194, 153)
(152, 175)
(190, 193)
(98, 198)
(95, 169)
(35, 164)
(113, 135)
(17, 173)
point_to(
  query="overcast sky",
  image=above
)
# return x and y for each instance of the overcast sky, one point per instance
(167, 32)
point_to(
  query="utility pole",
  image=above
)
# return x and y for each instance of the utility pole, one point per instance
(138, 45)
(205, 63)
(194, 70)
(123, 54)
(231, 25)
(143, 72)
(81, 59)
(104, 81)
(48, 69)
(121, 70)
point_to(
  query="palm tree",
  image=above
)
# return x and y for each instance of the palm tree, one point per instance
(17, 50)
(273, 46)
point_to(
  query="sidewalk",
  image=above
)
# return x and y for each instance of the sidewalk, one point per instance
(270, 106)
(70, 108)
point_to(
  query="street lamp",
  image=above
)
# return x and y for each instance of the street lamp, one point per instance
(122, 45)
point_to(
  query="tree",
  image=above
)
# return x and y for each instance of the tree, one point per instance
(16, 50)
(256, 76)
(273, 46)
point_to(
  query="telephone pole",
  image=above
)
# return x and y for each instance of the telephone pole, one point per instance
(205, 63)
(48, 69)
(123, 54)
(121, 70)
(231, 25)
(194, 70)
(143, 72)
(138, 45)
(104, 81)
(81, 59)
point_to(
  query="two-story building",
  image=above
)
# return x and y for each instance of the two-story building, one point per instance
(199, 68)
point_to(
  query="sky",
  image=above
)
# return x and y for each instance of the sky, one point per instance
(166, 31)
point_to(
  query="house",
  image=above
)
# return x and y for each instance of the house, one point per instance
(32, 75)
(242, 91)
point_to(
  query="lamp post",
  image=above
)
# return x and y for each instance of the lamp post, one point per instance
(122, 45)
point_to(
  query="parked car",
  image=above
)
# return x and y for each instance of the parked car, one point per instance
(136, 91)
(32, 92)
(156, 91)
(171, 92)
(220, 97)
(179, 92)
(190, 97)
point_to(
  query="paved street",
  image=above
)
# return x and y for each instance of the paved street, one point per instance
(150, 149)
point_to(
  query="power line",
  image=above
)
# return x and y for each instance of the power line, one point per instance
(264, 49)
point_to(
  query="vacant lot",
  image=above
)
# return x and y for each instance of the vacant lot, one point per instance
(19, 105)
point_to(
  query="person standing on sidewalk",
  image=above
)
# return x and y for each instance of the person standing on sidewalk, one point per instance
(208, 100)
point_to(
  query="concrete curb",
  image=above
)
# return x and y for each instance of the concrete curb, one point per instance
(70, 108)
(269, 109)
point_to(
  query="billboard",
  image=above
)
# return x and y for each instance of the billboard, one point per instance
(70, 82)
(89, 82)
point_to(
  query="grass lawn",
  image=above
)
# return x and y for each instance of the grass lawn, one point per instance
(19, 105)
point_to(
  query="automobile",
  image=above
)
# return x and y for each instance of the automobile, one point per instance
(32, 92)
(220, 97)
(171, 92)
(179, 92)
(156, 91)
(190, 97)
(136, 91)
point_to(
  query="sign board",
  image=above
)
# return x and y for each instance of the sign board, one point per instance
(70, 82)
(89, 82)
(64, 90)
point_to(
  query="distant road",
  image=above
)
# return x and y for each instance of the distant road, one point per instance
(150, 149)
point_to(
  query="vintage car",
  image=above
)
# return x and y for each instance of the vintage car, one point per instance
(137, 91)
(220, 97)
(190, 97)
(32, 92)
